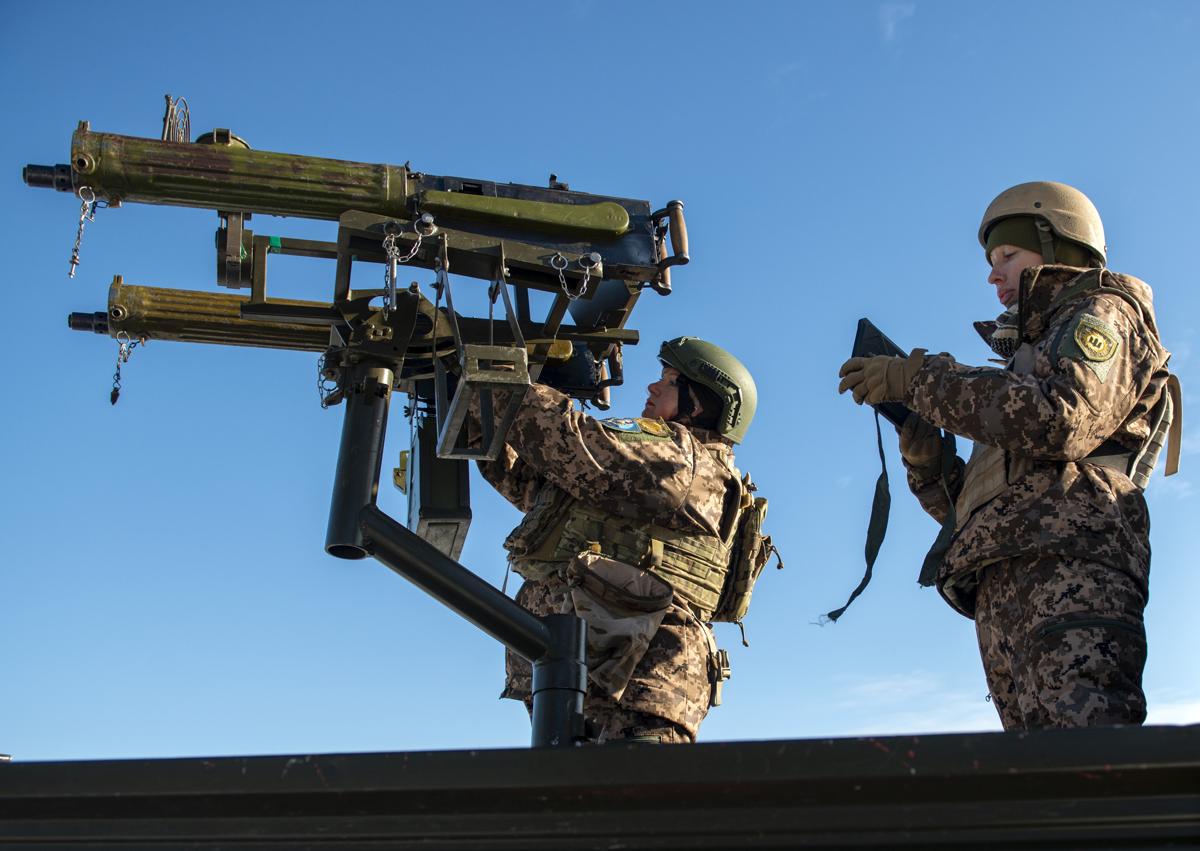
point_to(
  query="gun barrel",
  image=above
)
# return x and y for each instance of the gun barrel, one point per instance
(224, 174)
(97, 322)
(48, 177)
(159, 313)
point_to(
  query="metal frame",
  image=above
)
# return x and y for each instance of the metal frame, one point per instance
(1125, 788)
(555, 645)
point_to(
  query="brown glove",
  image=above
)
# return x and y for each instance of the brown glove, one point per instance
(920, 443)
(882, 378)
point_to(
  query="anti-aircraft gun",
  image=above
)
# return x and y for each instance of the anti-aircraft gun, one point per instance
(593, 254)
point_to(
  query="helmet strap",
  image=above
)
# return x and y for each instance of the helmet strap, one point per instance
(686, 404)
(1046, 237)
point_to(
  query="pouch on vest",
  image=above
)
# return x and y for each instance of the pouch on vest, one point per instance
(623, 607)
(749, 555)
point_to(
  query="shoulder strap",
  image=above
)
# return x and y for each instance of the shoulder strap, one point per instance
(1175, 435)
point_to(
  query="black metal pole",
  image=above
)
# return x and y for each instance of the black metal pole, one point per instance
(559, 684)
(440, 576)
(556, 645)
(356, 478)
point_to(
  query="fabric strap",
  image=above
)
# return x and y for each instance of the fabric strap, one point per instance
(937, 553)
(881, 506)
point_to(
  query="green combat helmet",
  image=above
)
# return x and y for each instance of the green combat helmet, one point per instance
(723, 374)
(1058, 210)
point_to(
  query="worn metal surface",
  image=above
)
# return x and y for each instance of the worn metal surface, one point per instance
(1111, 788)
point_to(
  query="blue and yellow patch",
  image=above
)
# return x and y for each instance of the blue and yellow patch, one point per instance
(637, 428)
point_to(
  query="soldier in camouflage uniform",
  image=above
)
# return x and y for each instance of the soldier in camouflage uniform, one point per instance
(1050, 550)
(625, 525)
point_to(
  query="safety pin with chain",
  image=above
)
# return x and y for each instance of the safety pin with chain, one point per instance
(87, 213)
(587, 263)
(125, 347)
(422, 227)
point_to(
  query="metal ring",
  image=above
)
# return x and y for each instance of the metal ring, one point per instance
(558, 261)
(593, 260)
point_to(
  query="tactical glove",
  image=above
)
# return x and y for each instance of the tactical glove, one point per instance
(882, 378)
(920, 444)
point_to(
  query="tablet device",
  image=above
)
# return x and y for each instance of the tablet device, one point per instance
(870, 341)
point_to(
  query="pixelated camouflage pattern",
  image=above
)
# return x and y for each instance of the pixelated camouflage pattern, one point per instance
(667, 694)
(1062, 642)
(1053, 417)
(680, 481)
(624, 607)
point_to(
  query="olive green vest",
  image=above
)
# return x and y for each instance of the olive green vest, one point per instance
(561, 527)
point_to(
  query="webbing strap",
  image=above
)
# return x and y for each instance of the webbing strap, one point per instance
(937, 553)
(881, 506)
(1175, 434)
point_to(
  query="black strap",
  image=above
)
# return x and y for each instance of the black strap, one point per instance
(881, 506)
(937, 553)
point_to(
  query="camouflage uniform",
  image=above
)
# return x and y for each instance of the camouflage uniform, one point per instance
(668, 475)
(1051, 553)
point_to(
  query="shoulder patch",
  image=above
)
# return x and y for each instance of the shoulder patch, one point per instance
(1098, 341)
(658, 428)
(638, 428)
(620, 424)
(1093, 341)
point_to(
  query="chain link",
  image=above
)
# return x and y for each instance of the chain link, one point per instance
(587, 263)
(87, 213)
(326, 386)
(422, 227)
(125, 347)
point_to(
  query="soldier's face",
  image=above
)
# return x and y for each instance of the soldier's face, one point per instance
(1008, 262)
(663, 400)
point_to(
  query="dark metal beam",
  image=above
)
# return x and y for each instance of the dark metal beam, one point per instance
(1108, 788)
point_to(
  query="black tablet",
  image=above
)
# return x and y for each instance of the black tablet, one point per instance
(870, 341)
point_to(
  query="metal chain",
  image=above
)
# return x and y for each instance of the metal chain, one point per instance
(422, 227)
(587, 263)
(125, 347)
(326, 386)
(87, 213)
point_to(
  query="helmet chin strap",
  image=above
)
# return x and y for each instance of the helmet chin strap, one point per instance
(1046, 237)
(686, 405)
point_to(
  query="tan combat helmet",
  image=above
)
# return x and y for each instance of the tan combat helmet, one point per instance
(1058, 210)
(723, 374)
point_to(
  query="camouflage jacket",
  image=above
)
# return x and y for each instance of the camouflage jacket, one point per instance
(679, 479)
(1094, 367)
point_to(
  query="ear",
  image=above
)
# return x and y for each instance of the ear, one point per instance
(697, 408)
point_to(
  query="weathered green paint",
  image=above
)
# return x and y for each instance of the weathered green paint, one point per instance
(226, 177)
(198, 317)
(605, 219)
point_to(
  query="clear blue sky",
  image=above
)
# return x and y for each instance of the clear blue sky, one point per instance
(164, 584)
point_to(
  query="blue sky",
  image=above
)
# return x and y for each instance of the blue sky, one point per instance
(164, 583)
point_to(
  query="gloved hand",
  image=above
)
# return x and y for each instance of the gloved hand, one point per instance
(881, 378)
(920, 443)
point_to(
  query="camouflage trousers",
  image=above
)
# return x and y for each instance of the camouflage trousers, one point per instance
(1062, 642)
(668, 694)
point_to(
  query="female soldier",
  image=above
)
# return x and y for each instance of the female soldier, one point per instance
(1050, 550)
(627, 524)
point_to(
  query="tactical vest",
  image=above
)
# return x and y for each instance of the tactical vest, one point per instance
(696, 565)
(990, 469)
